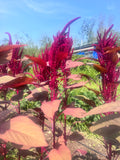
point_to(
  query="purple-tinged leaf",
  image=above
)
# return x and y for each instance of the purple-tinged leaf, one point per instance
(73, 64)
(17, 97)
(49, 108)
(62, 153)
(38, 94)
(6, 79)
(18, 82)
(21, 130)
(75, 112)
(74, 77)
(109, 128)
(105, 108)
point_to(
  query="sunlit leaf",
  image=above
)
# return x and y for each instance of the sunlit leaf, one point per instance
(105, 108)
(18, 82)
(49, 108)
(5, 79)
(75, 112)
(62, 153)
(9, 47)
(23, 131)
(74, 77)
(73, 64)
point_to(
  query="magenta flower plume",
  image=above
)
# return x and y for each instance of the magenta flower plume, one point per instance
(10, 58)
(47, 64)
(107, 49)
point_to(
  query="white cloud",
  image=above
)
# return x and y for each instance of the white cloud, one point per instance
(46, 7)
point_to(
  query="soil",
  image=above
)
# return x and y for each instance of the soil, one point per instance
(81, 140)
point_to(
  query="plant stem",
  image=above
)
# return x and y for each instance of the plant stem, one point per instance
(54, 131)
(65, 129)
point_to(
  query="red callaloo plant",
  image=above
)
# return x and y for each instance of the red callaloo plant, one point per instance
(26, 130)
(107, 51)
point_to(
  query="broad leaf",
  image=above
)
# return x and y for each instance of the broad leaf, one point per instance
(62, 153)
(21, 130)
(76, 85)
(75, 112)
(38, 94)
(49, 108)
(18, 82)
(74, 77)
(17, 97)
(105, 108)
(73, 64)
(6, 79)
(109, 128)
(86, 100)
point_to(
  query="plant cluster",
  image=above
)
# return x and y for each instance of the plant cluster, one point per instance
(53, 81)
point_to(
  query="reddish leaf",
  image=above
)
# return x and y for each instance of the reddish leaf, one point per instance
(38, 94)
(109, 128)
(86, 100)
(5, 48)
(74, 77)
(82, 152)
(5, 79)
(6, 52)
(17, 97)
(49, 108)
(77, 85)
(73, 64)
(100, 68)
(75, 112)
(37, 60)
(18, 82)
(107, 107)
(62, 153)
(23, 131)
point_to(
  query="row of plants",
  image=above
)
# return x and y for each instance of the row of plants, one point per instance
(55, 82)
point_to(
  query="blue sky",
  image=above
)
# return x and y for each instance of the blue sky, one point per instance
(39, 18)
